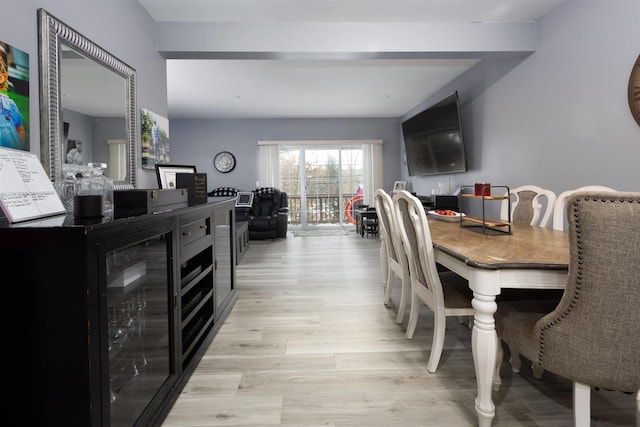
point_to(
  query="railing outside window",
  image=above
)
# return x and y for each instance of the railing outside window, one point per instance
(321, 209)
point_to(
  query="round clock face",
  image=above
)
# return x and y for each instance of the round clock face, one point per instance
(224, 161)
(634, 90)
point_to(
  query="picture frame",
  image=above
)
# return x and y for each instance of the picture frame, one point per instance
(399, 185)
(72, 150)
(15, 93)
(166, 174)
(244, 199)
(154, 139)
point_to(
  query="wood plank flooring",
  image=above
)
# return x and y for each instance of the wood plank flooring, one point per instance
(309, 343)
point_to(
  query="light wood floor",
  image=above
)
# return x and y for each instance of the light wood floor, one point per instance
(309, 343)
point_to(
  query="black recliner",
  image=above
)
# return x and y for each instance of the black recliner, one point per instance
(268, 215)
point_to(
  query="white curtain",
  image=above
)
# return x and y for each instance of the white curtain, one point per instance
(117, 159)
(269, 172)
(372, 171)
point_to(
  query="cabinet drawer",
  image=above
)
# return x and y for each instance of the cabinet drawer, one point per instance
(193, 231)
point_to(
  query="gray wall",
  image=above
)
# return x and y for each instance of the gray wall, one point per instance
(195, 142)
(122, 27)
(560, 118)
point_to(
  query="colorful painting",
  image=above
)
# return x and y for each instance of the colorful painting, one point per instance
(155, 139)
(14, 97)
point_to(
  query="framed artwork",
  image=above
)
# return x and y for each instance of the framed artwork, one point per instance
(244, 199)
(166, 174)
(399, 185)
(72, 152)
(14, 97)
(154, 139)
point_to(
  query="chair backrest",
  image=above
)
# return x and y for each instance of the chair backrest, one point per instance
(527, 205)
(268, 201)
(416, 237)
(388, 224)
(559, 211)
(223, 192)
(592, 336)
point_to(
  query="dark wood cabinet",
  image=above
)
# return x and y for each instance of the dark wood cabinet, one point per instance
(207, 273)
(242, 239)
(225, 258)
(197, 270)
(111, 316)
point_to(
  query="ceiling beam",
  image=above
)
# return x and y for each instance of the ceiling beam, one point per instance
(345, 40)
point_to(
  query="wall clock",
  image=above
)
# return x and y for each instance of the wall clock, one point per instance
(224, 161)
(634, 91)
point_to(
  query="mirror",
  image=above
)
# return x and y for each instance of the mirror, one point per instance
(85, 91)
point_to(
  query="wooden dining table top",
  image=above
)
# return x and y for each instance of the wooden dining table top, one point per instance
(526, 247)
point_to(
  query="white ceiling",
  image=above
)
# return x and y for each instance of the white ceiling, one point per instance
(317, 86)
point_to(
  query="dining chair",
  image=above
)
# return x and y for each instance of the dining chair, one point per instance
(444, 292)
(395, 263)
(590, 337)
(370, 222)
(530, 204)
(559, 213)
(527, 205)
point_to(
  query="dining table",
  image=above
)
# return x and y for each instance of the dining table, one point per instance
(529, 257)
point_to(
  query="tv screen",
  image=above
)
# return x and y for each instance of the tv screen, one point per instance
(433, 139)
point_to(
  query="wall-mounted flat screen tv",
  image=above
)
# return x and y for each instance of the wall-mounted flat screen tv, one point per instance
(433, 139)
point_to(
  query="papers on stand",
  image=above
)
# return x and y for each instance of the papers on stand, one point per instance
(25, 189)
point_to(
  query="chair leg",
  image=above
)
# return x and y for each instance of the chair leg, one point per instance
(405, 296)
(384, 263)
(515, 361)
(581, 405)
(439, 323)
(413, 316)
(466, 319)
(638, 408)
(387, 291)
(537, 371)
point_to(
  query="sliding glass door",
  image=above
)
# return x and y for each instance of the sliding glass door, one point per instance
(322, 183)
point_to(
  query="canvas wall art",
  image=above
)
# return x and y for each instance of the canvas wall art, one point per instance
(155, 139)
(14, 97)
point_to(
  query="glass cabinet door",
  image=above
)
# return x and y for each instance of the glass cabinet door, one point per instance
(139, 332)
(224, 257)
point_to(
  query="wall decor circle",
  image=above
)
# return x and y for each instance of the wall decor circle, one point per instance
(224, 162)
(634, 90)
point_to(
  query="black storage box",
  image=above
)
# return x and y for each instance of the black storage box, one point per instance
(128, 203)
(196, 185)
(446, 202)
(436, 201)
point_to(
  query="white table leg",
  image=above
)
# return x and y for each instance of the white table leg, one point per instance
(484, 345)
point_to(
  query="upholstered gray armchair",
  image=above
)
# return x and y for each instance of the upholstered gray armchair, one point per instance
(591, 337)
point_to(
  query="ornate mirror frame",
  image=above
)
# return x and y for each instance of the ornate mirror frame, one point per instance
(53, 33)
